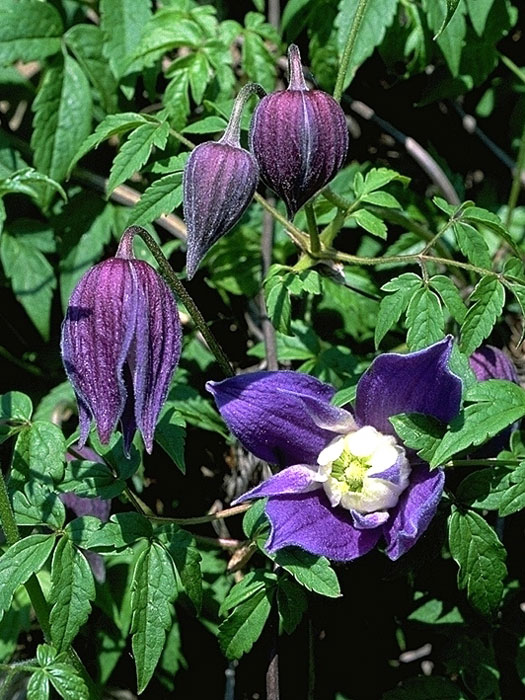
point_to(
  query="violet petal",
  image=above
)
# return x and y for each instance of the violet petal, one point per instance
(271, 414)
(98, 507)
(488, 362)
(307, 520)
(155, 350)
(367, 521)
(96, 336)
(414, 510)
(296, 479)
(419, 382)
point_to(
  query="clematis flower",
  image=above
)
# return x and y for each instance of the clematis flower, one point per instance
(121, 341)
(348, 480)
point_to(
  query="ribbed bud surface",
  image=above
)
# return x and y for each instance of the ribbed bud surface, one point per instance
(219, 183)
(299, 138)
(121, 342)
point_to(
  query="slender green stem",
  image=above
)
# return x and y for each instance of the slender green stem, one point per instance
(315, 243)
(349, 47)
(200, 519)
(518, 72)
(432, 243)
(180, 137)
(516, 181)
(180, 290)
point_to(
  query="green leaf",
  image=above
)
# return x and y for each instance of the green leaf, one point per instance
(251, 584)
(122, 530)
(370, 222)
(68, 684)
(32, 278)
(479, 11)
(424, 319)
(257, 61)
(15, 406)
(208, 125)
(448, 291)
(483, 217)
(312, 572)
(452, 39)
(162, 197)
(153, 590)
(472, 244)
(86, 41)
(513, 499)
(112, 125)
(135, 152)
(481, 559)
(186, 559)
(29, 181)
(62, 117)
(131, 17)
(419, 432)
(278, 303)
(199, 74)
(292, 603)
(167, 29)
(381, 199)
(379, 15)
(19, 562)
(243, 627)
(452, 6)
(81, 529)
(39, 454)
(255, 522)
(29, 31)
(479, 422)
(72, 589)
(91, 480)
(36, 505)
(486, 304)
(485, 488)
(170, 434)
(38, 686)
(377, 178)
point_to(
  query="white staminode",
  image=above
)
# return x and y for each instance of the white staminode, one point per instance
(348, 463)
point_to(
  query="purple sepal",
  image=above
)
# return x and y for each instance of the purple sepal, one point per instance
(299, 138)
(367, 521)
(98, 567)
(219, 183)
(296, 479)
(308, 521)
(392, 474)
(419, 382)
(121, 341)
(272, 414)
(415, 509)
(488, 362)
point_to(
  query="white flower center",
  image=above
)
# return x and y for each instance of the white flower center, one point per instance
(348, 465)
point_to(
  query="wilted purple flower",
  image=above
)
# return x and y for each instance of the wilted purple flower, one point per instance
(219, 182)
(348, 480)
(121, 341)
(488, 362)
(299, 138)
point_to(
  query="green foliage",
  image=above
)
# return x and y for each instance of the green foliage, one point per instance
(481, 559)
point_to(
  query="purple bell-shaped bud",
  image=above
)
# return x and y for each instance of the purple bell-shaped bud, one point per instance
(121, 342)
(219, 182)
(299, 137)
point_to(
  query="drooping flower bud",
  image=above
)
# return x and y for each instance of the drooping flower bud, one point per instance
(299, 137)
(488, 362)
(219, 182)
(121, 342)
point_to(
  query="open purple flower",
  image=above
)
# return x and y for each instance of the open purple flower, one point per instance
(121, 341)
(348, 481)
